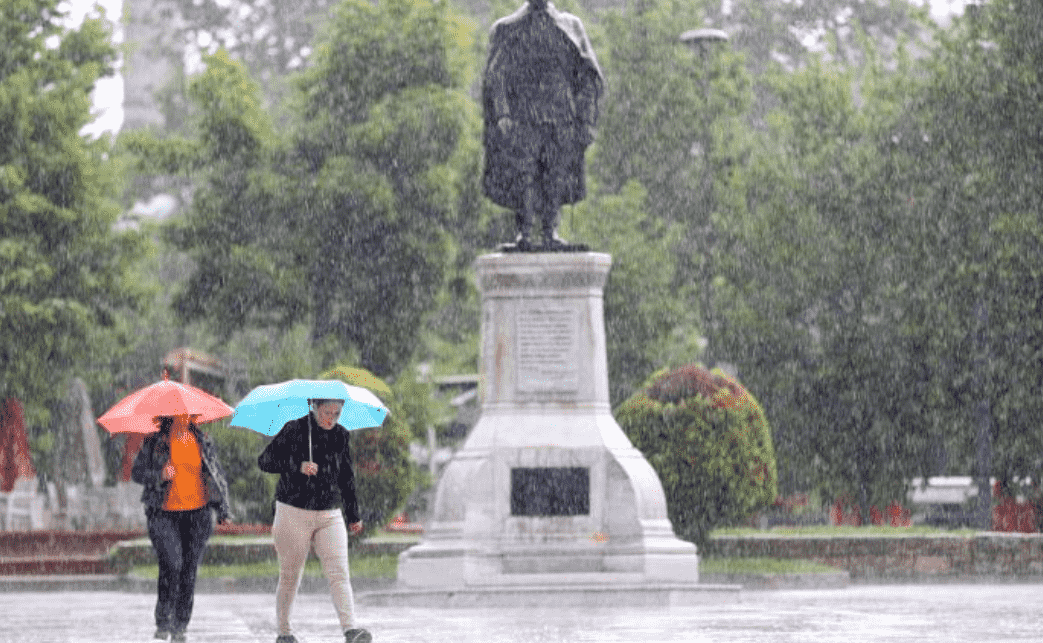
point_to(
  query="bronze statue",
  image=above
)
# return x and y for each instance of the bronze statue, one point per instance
(540, 100)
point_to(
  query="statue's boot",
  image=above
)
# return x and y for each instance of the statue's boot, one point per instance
(523, 222)
(551, 240)
(523, 219)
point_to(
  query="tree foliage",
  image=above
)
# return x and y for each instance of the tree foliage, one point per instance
(64, 281)
(880, 246)
(974, 203)
(346, 222)
(389, 148)
(647, 325)
(663, 117)
(811, 284)
(781, 32)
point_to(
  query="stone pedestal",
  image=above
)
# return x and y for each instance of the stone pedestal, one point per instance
(547, 490)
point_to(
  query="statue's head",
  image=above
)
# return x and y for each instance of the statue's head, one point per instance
(538, 5)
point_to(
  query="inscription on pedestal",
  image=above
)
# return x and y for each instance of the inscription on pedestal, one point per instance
(550, 491)
(547, 350)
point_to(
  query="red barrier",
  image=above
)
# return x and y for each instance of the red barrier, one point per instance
(844, 512)
(15, 456)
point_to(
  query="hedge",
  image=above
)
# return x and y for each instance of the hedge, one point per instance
(709, 441)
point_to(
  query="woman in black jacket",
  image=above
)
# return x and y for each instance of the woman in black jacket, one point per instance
(184, 486)
(314, 495)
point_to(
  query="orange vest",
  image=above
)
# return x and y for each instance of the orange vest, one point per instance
(187, 490)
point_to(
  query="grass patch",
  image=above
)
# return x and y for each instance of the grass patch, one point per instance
(845, 530)
(378, 536)
(386, 567)
(361, 567)
(243, 538)
(762, 566)
(381, 536)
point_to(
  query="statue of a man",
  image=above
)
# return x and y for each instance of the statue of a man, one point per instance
(540, 100)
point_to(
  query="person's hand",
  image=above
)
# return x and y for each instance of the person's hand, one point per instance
(356, 528)
(505, 124)
(309, 468)
(168, 472)
(589, 132)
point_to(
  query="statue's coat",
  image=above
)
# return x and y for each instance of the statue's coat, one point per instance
(500, 179)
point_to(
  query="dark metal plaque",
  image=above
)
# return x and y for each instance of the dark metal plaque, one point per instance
(550, 491)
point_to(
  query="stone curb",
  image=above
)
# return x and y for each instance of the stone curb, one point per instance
(127, 554)
(136, 584)
(809, 580)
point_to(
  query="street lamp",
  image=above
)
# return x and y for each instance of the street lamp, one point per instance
(702, 41)
(703, 38)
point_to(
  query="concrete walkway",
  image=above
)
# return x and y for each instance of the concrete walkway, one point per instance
(920, 613)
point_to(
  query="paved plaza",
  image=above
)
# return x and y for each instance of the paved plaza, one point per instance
(878, 613)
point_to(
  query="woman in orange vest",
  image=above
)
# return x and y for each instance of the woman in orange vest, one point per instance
(184, 487)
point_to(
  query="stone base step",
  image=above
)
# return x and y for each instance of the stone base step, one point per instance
(15, 544)
(573, 595)
(52, 565)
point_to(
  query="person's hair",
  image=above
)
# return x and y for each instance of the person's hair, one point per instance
(317, 402)
(167, 421)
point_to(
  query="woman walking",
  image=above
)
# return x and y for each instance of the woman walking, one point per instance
(184, 486)
(314, 495)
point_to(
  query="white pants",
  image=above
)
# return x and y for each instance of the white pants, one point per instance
(294, 532)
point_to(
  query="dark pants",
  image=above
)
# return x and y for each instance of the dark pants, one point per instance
(179, 538)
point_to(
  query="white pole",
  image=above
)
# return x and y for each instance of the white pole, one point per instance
(432, 466)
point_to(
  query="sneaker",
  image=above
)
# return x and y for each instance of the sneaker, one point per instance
(286, 638)
(161, 635)
(357, 636)
(178, 637)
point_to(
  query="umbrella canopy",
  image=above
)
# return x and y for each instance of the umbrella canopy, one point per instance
(135, 413)
(268, 407)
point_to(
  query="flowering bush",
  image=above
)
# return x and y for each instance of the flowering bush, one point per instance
(710, 443)
(384, 473)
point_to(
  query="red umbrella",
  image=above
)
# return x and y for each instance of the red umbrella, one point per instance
(136, 412)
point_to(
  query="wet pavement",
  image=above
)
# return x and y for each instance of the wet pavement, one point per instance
(877, 613)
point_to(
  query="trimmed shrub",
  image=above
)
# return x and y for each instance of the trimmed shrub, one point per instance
(710, 443)
(385, 474)
(250, 490)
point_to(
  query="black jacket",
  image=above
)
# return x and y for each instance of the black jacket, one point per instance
(154, 455)
(332, 486)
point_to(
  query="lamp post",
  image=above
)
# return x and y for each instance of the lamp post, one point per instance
(983, 357)
(703, 38)
(703, 41)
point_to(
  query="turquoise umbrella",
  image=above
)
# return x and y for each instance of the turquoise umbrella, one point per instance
(268, 407)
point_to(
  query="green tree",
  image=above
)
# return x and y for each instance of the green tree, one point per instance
(349, 222)
(663, 134)
(65, 282)
(811, 288)
(389, 164)
(647, 325)
(662, 101)
(974, 198)
(779, 31)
